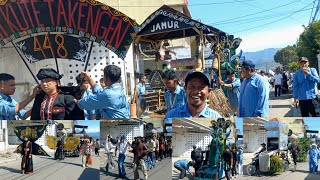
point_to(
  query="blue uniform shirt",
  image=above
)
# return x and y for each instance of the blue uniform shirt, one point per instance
(111, 101)
(8, 109)
(177, 99)
(183, 111)
(233, 94)
(313, 155)
(141, 89)
(183, 163)
(254, 97)
(305, 86)
(88, 113)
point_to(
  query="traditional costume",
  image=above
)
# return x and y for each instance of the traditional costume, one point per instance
(58, 106)
(26, 163)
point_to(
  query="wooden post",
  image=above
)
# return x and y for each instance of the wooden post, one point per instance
(202, 49)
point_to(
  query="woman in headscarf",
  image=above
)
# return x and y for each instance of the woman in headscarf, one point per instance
(313, 154)
(86, 152)
(26, 154)
(51, 104)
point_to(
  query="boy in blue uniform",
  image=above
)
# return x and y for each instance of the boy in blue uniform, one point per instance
(197, 91)
(111, 100)
(183, 166)
(175, 95)
(233, 89)
(9, 108)
(142, 85)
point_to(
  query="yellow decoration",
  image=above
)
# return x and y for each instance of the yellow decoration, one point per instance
(71, 143)
(51, 141)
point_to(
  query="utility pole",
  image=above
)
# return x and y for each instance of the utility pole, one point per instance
(316, 12)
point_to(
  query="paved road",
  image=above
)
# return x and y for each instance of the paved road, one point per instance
(49, 169)
(282, 106)
(162, 171)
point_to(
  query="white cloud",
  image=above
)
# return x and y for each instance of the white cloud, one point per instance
(273, 38)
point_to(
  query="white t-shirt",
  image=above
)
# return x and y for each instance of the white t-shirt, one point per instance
(277, 79)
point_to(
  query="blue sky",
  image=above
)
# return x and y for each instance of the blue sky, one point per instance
(279, 25)
(239, 124)
(93, 126)
(313, 123)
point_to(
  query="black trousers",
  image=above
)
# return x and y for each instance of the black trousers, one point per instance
(294, 156)
(182, 172)
(277, 90)
(96, 151)
(227, 171)
(307, 107)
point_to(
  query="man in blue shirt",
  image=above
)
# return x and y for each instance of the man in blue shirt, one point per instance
(111, 100)
(183, 166)
(254, 93)
(305, 88)
(9, 108)
(142, 85)
(175, 95)
(197, 91)
(232, 85)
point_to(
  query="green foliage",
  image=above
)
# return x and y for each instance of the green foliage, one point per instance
(293, 66)
(286, 55)
(304, 144)
(309, 43)
(275, 164)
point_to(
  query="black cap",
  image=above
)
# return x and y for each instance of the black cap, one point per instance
(197, 74)
(262, 71)
(263, 144)
(229, 72)
(48, 73)
(248, 64)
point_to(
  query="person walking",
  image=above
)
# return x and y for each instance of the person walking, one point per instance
(96, 147)
(86, 153)
(295, 149)
(313, 155)
(277, 83)
(240, 161)
(305, 89)
(109, 150)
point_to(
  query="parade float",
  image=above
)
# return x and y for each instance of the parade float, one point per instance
(70, 143)
(33, 132)
(168, 24)
(215, 168)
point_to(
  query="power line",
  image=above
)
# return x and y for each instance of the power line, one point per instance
(255, 19)
(255, 13)
(314, 2)
(273, 21)
(267, 10)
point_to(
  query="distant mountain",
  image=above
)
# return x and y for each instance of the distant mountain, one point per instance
(263, 59)
(94, 135)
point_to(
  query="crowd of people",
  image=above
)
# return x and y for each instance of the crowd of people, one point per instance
(248, 95)
(147, 151)
(232, 160)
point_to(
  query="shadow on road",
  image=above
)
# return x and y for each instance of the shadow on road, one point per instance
(75, 164)
(11, 169)
(312, 176)
(88, 173)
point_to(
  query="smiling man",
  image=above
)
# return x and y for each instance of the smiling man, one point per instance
(197, 91)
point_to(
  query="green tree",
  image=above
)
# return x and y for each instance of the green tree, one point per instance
(286, 55)
(309, 43)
